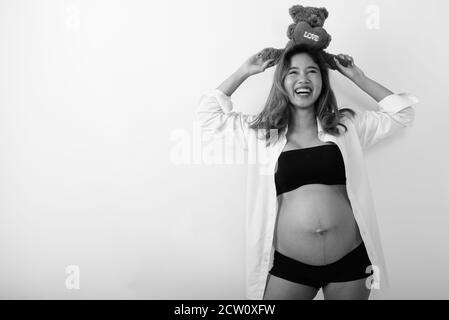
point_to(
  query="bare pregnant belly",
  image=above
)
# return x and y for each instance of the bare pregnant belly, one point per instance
(315, 224)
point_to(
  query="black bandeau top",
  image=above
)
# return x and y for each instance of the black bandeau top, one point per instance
(320, 164)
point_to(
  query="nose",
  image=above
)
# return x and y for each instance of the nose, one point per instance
(303, 78)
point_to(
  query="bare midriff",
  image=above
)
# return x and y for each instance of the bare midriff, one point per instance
(315, 224)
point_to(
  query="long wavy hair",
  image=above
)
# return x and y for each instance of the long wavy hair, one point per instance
(278, 110)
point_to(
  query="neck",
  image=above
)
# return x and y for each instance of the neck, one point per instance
(303, 121)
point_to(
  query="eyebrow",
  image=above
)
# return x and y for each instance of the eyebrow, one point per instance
(309, 67)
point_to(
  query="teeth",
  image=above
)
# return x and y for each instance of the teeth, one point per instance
(303, 91)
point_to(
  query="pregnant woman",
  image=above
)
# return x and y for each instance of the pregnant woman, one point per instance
(317, 241)
(323, 233)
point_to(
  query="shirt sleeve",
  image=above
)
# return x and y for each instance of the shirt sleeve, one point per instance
(217, 120)
(395, 112)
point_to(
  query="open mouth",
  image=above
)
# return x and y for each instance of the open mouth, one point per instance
(303, 92)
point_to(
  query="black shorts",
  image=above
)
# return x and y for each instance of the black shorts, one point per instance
(352, 266)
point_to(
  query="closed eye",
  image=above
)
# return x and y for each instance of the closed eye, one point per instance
(293, 72)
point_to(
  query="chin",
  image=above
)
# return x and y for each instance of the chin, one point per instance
(304, 105)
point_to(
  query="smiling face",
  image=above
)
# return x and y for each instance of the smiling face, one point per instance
(303, 81)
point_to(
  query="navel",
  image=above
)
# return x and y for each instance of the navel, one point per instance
(320, 231)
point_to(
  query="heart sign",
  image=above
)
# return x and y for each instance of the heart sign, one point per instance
(316, 38)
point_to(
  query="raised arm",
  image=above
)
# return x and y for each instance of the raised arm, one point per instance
(233, 81)
(214, 112)
(395, 110)
(356, 75)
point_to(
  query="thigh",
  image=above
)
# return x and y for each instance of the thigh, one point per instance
(281, 289)
(349, 290)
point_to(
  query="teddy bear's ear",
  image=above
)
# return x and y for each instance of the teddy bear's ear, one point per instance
(294, 11)
(317, 17)
(324, 13)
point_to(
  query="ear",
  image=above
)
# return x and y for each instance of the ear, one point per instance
(296, 12)
(318, 17)
(324, 13)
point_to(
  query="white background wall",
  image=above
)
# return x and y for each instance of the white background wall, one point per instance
(93, 95)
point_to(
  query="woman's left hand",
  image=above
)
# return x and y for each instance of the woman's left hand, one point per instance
(352, 71)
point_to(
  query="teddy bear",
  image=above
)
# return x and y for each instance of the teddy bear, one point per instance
(307, 29)
(307, 26)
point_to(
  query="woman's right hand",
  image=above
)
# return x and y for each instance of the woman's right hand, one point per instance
(255, 64)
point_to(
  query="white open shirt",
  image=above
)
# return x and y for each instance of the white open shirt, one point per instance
(216, 119)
